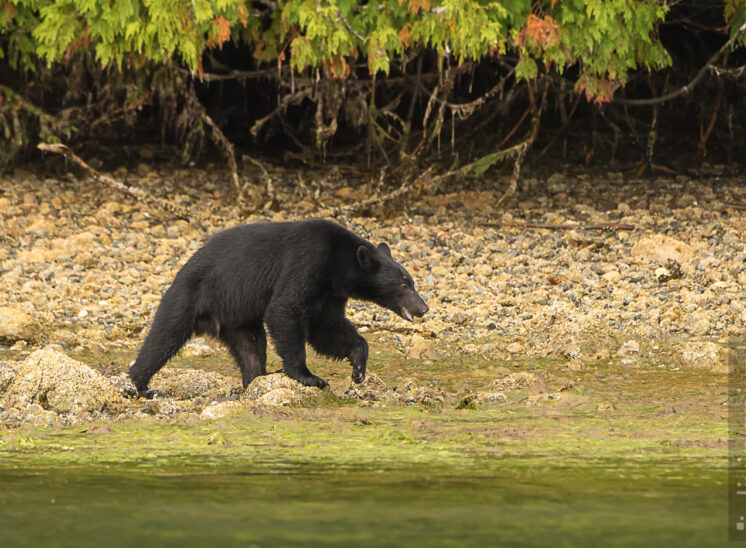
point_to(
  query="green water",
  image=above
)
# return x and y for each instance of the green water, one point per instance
(511, 503)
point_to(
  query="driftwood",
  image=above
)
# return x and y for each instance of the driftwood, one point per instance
(525, 145)
(734, 205)
(569, 226)
(219, 138)
(423, 181)
(141, 195)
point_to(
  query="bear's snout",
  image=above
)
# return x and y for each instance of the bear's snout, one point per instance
(412, 306)
(421, 308)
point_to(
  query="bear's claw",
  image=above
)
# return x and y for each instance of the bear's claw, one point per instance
(145, 394)
(313, 380)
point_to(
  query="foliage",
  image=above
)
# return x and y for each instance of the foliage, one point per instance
(602, 41)
(21, 122)
(605, 39)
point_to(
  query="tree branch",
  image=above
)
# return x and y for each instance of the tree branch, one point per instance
(569, 226)
(352, 31)
(138, 193)
(691, 85)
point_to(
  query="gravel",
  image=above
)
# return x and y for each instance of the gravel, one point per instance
(78, 257)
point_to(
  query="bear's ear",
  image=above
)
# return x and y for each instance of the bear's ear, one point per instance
(384, 249)
(365, 258)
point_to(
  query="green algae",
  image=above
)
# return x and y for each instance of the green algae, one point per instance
(606, 410)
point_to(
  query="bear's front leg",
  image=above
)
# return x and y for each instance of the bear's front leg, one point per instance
(336, 337)
(358, 360)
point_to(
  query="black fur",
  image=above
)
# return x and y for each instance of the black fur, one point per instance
(293, 277)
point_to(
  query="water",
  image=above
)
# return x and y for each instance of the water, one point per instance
(211, 504)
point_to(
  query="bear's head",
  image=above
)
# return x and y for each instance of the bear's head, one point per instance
(385, 282)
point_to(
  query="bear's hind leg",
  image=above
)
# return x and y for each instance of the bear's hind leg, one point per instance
(172, 327)
(248, 346)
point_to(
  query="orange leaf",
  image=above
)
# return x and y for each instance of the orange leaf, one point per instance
(405, 34)
(541, 31)
(80, 42)
(416, 5)
(10, 9)
(221, 32)
(597, 90)
(339, 67)
(243, 14)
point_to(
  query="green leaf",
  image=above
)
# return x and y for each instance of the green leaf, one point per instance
(525, 68)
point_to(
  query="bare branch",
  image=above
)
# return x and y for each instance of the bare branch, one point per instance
(417, 186)
(232, 74)
(293, 98)
(352, 31)
(140, 194)
(691, 85)
(570, 226)
(222, 141)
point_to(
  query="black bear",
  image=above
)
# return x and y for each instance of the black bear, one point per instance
(295, 278)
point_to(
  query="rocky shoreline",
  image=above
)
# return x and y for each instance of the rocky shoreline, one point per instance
(84, 267)
(49, 388)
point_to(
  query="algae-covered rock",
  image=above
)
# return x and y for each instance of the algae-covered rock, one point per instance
(197, 348)
(124, 385)
(279, 390)
(188, 384)
(57, 382)
(704, 355)
(522, 380)
(421, 349)
(481, 399)
(7, 375)
(371, 389)
(16, 325)
(33, 414)
(513, 388)
(629, 349)
(409, 390)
